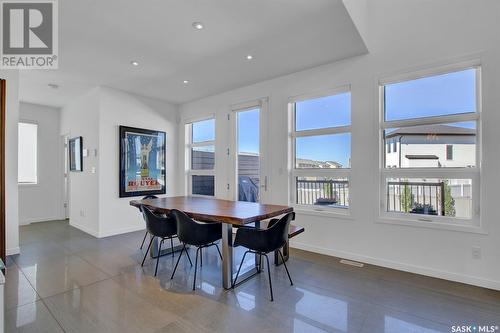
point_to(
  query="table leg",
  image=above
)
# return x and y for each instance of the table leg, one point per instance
(257, 257)
(227, 255)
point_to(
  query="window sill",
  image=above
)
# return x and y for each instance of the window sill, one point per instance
(476, 229)
(342, 214)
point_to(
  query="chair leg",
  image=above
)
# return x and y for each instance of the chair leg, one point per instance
(201, 257)
(144, 239)
(259, 268)
(218, 250)
(239, 268)
(189, 258)
(158, 256)
(195, 266)
(172, 246)
(149, 247)
(269, 274)
(178, 259)
(286, 268)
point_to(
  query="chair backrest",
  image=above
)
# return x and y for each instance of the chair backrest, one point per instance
(188, 230)
(159, 226)
(146, 198)
(186, 226)
(277, 234)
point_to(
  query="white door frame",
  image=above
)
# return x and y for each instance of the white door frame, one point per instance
(232, 181)
(65, 176)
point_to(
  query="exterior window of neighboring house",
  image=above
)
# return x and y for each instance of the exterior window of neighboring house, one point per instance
(395, 147)
(435, 117)
(321, 150)
(449, 152)
(28, 153)
(200, 162)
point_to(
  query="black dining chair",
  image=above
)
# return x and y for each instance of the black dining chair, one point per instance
(199, 234)
(263, 241)
(163, 227)
(140, 210)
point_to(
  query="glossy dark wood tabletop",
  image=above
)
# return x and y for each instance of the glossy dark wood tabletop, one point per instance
(216, 210)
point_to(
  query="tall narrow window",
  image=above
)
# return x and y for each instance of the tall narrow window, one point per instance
(200, 137)
(28, 153)
(321, 141)
(435, 119)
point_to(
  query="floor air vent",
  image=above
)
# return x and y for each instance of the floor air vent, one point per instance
(351, 263)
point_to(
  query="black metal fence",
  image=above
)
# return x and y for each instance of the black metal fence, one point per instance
(323, 192)
(416, 197)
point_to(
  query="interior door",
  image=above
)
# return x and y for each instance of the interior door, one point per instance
(2, 169)
(248, 164)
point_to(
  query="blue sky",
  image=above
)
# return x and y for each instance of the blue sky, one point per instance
(248, 131)
(431, 96)
(204, 130)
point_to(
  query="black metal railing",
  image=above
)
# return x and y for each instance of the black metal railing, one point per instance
(416, 197)
(323, 192)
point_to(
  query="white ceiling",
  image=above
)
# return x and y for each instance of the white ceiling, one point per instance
(98, 39)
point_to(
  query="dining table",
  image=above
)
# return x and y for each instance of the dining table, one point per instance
(229, 213)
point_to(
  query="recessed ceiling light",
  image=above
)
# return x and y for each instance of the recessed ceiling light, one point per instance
(197, 25)
(134, 63)
(53, 86)
(185, 81)
(249, 57)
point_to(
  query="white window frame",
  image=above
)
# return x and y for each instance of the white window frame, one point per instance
(262, 104)
(188, 153)
(440, 222)
(31, 122)
(296, 172)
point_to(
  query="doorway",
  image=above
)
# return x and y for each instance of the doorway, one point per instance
(66, 182)
(2, 169)
(249, 179)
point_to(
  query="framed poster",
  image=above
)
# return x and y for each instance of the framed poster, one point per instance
(142, 162)
(76, 154)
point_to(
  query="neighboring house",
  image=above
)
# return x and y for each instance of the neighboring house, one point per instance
(434, 146)
(304, 163)
(430, 146)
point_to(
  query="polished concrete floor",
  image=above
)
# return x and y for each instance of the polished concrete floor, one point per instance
(67, 281)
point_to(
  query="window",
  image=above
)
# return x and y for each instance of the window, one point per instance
(28, 153)
(435, 119)
(200, 164)
(449, 152)
(321, 150)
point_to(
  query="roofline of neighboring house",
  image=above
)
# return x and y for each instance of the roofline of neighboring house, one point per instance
(391, 135)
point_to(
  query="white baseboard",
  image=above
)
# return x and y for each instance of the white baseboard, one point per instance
(43, 219)
(84, 229)
(114, 232)
(106, 233)
(12, 251)
(467, 279)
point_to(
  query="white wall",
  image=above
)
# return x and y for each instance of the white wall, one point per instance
(81, 118)
(119, 108)
(43, 201)
(402, 37)
(95, 206)
(11, 189)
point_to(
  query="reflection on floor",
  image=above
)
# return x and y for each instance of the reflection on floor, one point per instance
(68, 281)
